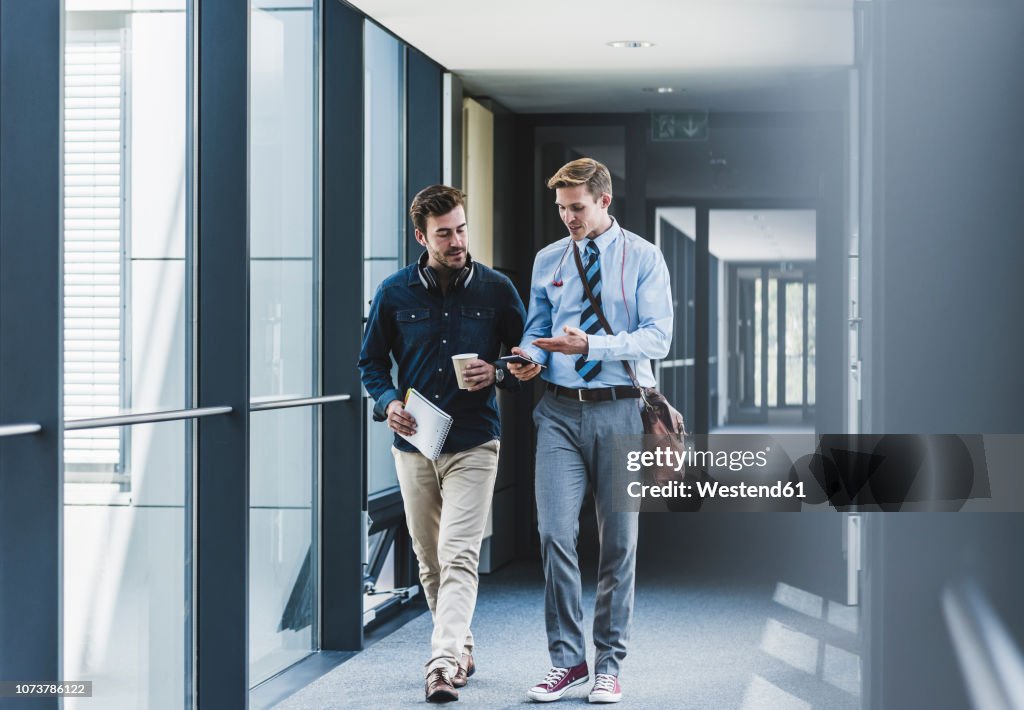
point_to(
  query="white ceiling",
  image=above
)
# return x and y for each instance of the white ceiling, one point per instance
(752, 235)
(544, 55)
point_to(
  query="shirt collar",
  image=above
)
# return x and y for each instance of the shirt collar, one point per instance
(427, 277)
(603, 240)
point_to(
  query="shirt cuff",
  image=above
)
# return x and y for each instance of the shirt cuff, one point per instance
(380, 409)
(597, 347)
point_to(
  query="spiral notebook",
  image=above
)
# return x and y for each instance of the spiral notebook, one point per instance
(432, 424)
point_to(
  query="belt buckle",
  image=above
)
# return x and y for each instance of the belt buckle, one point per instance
(579, 395)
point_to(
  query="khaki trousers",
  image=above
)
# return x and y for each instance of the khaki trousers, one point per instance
(446, 506)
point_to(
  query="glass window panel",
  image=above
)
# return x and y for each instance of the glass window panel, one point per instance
(380, 463)
(386, 580)
(384, 139)
(283, 178)
(384, 204)
(125, 152)
(127, 600)
(757, 342)
(127, 504)
(282, 554)
(811, 339)
(773, 342)
(283, 334)
(794, 343)
(284, 313)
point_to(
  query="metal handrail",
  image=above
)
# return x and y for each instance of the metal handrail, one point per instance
(172, 415)
(144, 418)
(20, 429)
(262, 404)
(990, 661)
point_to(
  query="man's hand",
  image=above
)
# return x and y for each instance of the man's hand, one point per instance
(574, 342)
(522, 372)
(399, 420)
(478, 374)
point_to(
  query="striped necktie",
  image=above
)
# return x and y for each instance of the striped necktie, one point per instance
(589, 323)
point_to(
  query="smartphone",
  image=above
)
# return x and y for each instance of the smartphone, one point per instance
(519, 360)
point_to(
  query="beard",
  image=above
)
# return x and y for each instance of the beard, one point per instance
(450, 262)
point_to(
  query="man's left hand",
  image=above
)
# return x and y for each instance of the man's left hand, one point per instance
(478, 374)
(574, 342)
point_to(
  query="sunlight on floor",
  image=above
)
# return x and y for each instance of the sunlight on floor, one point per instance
(792, 647)
(798, 600)
(836, 666)
(761, 694)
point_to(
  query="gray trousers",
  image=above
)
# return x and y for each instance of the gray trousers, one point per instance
(575, 445)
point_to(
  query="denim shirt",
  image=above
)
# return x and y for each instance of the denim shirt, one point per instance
(422, 329)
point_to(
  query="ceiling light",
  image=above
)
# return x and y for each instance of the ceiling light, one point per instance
(630, 44)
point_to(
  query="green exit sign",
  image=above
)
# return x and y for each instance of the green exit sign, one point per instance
(685, 126)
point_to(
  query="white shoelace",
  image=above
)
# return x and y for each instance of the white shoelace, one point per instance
(554, 675)
(604, 683)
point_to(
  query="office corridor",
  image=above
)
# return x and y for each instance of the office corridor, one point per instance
(712, 640)
(200, 201)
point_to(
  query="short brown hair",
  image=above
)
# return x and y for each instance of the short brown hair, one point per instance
(434, 201)
(584, 171)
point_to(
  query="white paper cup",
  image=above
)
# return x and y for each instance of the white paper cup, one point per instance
(459, 362)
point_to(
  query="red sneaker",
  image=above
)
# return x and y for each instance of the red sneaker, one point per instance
(557, 681)
(606, 689)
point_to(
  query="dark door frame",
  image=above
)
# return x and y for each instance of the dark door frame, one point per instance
(699, 423)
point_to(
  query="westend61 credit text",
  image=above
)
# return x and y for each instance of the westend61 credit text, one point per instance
(714, 489)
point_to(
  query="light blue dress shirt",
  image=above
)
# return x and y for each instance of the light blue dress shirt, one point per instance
(636, 298)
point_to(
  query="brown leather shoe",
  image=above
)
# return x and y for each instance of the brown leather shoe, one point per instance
(466, 669)
(439, 688)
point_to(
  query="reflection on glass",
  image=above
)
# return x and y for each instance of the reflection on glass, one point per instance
(284, 312)
(127, 606)
(126, 582)
(384, 204)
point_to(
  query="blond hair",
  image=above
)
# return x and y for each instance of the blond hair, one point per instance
(584, 171)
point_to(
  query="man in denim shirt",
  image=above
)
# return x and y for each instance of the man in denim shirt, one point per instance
(444, 305)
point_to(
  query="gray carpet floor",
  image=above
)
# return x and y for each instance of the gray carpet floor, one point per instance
(717, 641)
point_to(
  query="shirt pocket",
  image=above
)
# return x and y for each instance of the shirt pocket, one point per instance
(554, 294)
(413, 325)
(476, 329)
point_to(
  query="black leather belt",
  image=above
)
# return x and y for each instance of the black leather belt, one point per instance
(599, 394)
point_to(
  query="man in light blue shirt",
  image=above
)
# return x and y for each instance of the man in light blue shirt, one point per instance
(590, 402)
